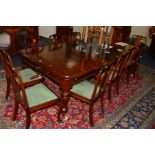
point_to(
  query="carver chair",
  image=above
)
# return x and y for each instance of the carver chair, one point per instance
(32, 98)
(90, 92)
(28, 76)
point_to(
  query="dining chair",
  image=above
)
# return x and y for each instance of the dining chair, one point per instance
(115, 72)
(89, 92)
(134, 61)
(55, 40)
(133, 39)
(32, 98)
(135, 56)
(75, 39)
(34, 44)
(24, 38)
(29, 76)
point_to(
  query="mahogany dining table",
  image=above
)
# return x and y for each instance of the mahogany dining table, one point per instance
(67, 65)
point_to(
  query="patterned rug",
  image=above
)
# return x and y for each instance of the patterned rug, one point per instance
(133, 108)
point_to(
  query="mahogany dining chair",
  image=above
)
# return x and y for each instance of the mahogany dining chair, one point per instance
(90, 92)
(133, 62)
(75, 39)
(115, 73)
(55, 40)
(29, 76)
(32, 98)
(135, 57)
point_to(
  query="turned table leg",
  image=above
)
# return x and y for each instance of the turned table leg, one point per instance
(65, 86)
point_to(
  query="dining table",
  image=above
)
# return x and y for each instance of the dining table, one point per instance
(67, 65)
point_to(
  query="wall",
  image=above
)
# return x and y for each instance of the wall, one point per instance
(78, 29)
(135, 30)
(47, 30)
(141, 30)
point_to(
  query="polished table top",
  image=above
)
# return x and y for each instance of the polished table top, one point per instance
(67, 62)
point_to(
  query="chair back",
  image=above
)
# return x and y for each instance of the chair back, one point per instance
(75, 39)
(136, 54)
(24, 38)
(5, 58)
(117, 68)
(55, 40)
(125, 61)
(34, 45)
(142, 39)
(100, 84)
(107, 72)
(27, 40)
(18, 86)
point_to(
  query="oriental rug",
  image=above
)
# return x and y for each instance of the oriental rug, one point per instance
(134, 107)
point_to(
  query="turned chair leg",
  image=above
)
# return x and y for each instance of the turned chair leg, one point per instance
(102, 106)
(8, 88)
(28, 120)
(128, 76)
(91, 115)
(109, 92)
(59, 113)
(15, 111)
(117, 86)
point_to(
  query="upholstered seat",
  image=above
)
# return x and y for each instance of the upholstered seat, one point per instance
(39, 94)
(29, 75)
(84, 88)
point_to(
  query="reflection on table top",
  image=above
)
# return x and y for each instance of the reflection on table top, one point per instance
(70, 62)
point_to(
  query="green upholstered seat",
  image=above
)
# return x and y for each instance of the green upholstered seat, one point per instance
(84, 88)
(39, 94)
(27, 73)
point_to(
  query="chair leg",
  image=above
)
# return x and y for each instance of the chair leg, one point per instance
(128, 76)
(28, 120)
(117, 86)
(109, 92)
(59, 113)
(91, 115)
(102, 108)
(134, 69)
(8, 88)
(15, 111)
